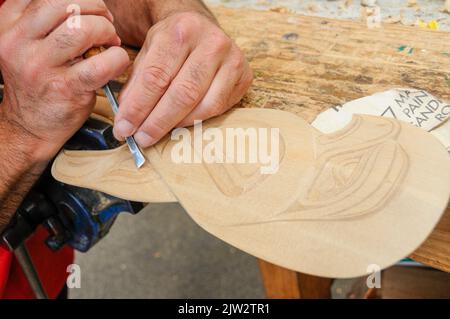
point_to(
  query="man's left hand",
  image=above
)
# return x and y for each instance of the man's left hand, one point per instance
(187, 70)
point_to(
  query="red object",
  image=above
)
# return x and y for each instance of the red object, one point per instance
(51, 267)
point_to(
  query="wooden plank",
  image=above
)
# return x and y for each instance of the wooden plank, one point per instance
(312, 287)
(435, 251)
(307, 64)
(414, 283)
(281, 283)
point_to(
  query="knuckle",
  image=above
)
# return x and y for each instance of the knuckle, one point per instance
(58, 86)
(87, 26)
(186, 25)
(157, 128)
(188, 20)
(238, 61)
(65, 88)
(69, 38)
(104, 23)
(88, 76)
(248, 79)
(217, 107)
(74, 37)
(135, 113)
(100, 6)
(187, 93)
(220, 42)
(156, 79)
(180, 33)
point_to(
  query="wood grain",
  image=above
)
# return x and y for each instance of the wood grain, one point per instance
(332, 192)
(305, 65)
(281, 283)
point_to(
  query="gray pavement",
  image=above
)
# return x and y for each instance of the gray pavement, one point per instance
(162, 253)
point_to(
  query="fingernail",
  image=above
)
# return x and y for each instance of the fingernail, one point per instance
(143, 139)
(124, 128)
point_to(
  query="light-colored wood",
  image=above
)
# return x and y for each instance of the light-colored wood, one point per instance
(106, 171)
(370, 193)
(305, 65)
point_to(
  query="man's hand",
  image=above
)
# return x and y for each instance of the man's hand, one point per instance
(49, 89)
(188, 69)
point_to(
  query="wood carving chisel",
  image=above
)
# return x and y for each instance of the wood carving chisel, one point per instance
(138, 156)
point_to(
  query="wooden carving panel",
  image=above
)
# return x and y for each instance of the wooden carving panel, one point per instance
(305, 65)
(368, 194)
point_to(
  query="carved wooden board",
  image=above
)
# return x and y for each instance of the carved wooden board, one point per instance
(368, 194)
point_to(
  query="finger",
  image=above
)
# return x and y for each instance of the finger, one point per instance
(93, 73)
(16, 7)
(228, 88)
(154, 70)
(243, 85)
(43, 16)
(185, 92)
(65, 44)
(10, 11)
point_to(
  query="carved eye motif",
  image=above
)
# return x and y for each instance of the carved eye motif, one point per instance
(353, 179)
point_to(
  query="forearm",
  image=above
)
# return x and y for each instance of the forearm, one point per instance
(134, 18)
(18, 168)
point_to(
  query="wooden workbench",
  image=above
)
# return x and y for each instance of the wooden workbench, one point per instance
(306, 64)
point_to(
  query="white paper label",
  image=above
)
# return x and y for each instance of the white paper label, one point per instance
(416, 107)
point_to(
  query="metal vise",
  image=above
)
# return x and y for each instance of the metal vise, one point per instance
(73, 216)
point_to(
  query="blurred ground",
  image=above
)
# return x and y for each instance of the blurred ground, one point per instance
(162, 253)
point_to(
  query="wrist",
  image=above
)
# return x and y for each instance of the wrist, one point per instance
(26, 150)
(160, 10)
(20, 167)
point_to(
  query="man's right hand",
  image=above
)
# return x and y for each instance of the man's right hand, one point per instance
(49, 89)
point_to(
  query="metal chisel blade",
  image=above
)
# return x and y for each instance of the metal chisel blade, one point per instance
(138, 156)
